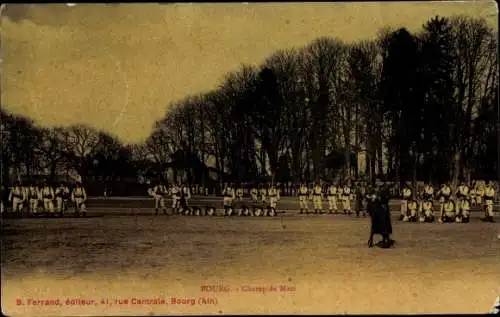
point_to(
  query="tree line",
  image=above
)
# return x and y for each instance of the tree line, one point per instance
(404, 106)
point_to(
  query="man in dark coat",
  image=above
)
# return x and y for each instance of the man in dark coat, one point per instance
(378, 208)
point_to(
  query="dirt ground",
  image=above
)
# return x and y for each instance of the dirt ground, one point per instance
(300, 264)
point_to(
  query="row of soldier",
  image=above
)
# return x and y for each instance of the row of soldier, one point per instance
(180, 195)
(53, 198)
(453, 206)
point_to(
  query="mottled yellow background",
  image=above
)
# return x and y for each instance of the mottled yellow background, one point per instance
(118, 67)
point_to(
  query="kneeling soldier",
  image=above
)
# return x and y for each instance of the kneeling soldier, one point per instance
(411, 215)
(463, 212)
(210, 211)
(448, 214)
(427, 211)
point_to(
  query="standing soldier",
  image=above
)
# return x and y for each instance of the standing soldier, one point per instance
(340, 194)
(263, 192)
(405, 199)
(472, 194)
(159, 192)
(17, 197)
(359, 196)
(303, 193)
(479, 194)
(48, 198)
(79, 197)
(489, 196)
(239, 193)
(254, 193)
(61, 193)
(176, 198)
(332, 199)
(448, 213)
(186, 194)
(318, 199)
(274, 196)
(443, 196)
(346, 201)
(229, 196)
(34, 196)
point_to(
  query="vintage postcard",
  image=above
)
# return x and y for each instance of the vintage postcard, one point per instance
(250, 158)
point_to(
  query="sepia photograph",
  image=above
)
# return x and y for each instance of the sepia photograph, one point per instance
(250, 158)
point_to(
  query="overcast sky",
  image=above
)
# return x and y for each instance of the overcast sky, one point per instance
(117, 67)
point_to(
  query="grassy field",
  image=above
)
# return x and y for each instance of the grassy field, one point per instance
(299, 264)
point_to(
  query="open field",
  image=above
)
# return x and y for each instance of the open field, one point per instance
(322, 261)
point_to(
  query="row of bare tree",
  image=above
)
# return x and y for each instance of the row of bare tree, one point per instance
(30, 150)
(418, 106)
(403, 106)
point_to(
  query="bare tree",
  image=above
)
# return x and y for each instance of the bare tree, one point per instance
(474, 70)
(82, 143)
(53, 150)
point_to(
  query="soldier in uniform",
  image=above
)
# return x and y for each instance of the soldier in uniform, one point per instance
(332, 199)
(175, 192)
(489, 196)
(427, 214)
(347, 199)
(274, 196)
(61, 193)
(17, 197)
(472, 194)
(443, 196)
(303, 194)
(448, 213)
(254, 193)
(228, 199)
(34, 195)
(79, 198)
(461, 194)
(412, 212)
(428, 194)
(184, 201)
(360, 198)
(48, 197)
(318, 199)
(463, 211)
(263, 193)
(405, 199)
(159, 192)
(340, 194)
(239, 193)
(479, 194)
